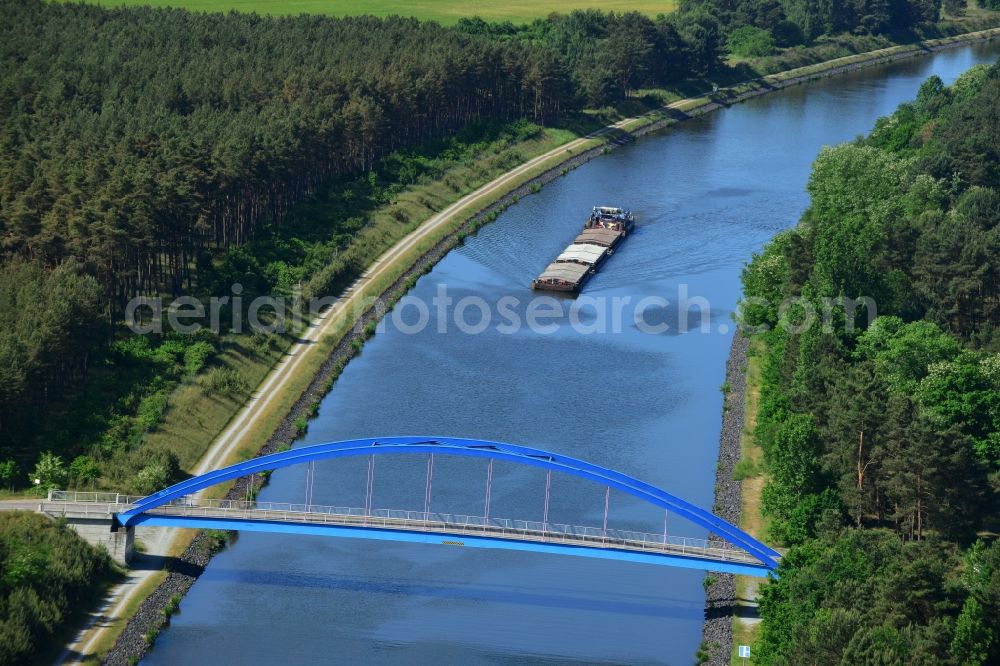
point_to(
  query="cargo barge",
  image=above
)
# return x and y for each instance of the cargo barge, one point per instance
(606, 228)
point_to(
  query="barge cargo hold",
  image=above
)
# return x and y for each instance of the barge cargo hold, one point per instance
(606, 228)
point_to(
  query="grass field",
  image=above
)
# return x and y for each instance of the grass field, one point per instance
(444, 11)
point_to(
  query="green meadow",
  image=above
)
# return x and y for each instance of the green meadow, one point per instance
(443, 11)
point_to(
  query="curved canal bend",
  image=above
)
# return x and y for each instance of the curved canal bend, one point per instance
(707, 194)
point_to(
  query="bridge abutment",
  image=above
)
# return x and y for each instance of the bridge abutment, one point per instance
(100, 530)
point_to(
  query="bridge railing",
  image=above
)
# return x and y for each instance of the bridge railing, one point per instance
(465, 524)
(104, 502)
(87, 497)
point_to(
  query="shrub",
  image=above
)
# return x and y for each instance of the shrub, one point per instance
(171, 349)
(261, 343)
(150, 479)
(744, 469)
(788, 34)
(8, 471)
(301, 426)
(84, 470)
(172, 606)
(750, 42)
(117, 436)
(46, 571)
(705, 651)
(215, 540)
(49, 472)
(161, 468)
(151, 409)
(135, 347)
(227, 381)
(196, 355)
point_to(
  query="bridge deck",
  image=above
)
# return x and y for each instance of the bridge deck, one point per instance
(418, 521)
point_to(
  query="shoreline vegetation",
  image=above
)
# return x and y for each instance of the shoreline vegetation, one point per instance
(731, 612)
(872, 450)
(172, 396)
(47, 571)
(133, 640)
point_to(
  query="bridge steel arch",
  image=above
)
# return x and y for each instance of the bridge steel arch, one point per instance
(461, 447)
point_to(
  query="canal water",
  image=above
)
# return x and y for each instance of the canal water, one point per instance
(637, 397)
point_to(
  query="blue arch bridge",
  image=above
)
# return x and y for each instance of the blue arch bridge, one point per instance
(728, 549)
